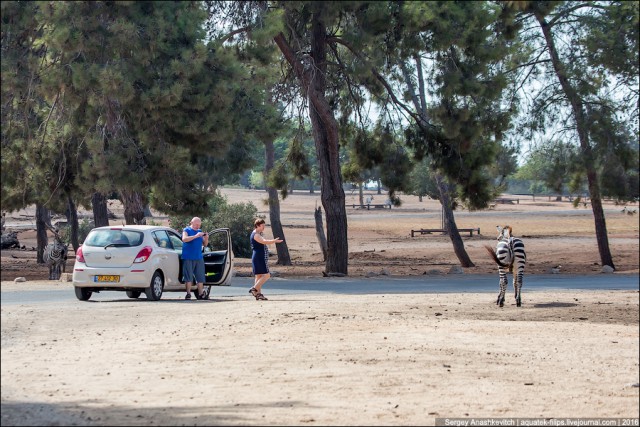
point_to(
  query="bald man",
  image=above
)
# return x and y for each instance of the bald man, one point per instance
(193, 239)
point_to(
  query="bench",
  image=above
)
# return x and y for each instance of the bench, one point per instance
(505, 200)
(369, 206)
(440, 230)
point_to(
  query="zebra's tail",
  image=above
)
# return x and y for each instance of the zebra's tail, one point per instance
(494, 256)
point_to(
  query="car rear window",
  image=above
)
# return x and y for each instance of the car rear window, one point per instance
(115, 237)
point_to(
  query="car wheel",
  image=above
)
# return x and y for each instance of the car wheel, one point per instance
(206, 290)
(83, 294)
(133, 294)
(154, 291)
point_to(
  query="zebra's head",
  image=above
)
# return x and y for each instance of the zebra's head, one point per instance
(57, 238)
(504, 233)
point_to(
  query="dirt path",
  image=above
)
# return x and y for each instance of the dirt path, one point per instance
(319, 359)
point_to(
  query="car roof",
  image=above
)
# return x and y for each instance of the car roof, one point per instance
(134, 227)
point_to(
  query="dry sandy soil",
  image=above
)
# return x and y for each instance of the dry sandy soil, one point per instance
(554, 233)
(321, 359)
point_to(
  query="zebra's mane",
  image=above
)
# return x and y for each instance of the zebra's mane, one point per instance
(57, 238)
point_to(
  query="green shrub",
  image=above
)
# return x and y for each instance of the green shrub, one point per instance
(237, 217)
(84, 227)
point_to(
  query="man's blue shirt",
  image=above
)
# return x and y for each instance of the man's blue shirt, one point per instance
(192, 249)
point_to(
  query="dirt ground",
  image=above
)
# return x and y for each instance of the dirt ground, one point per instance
(319, 360)
(322, 359)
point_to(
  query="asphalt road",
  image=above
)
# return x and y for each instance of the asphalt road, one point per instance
(352, 286)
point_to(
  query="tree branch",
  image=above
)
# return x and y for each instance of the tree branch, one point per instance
(567, 12)
(229, 36)
(382, 80)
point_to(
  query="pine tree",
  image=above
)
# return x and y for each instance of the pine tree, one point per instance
(345, 54)
(26, 166)
(592, 86)
(145, 96)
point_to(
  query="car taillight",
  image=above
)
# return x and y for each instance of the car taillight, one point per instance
(79, 256)
(143, 255)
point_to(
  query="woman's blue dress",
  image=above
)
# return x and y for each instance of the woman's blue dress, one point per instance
(259, 256)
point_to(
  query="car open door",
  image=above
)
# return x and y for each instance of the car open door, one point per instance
(218, 258)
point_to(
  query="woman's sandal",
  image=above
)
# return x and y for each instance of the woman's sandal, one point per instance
(261, 297)
(254, 292)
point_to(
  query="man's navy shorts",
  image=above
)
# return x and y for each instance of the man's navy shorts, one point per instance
(193, 270)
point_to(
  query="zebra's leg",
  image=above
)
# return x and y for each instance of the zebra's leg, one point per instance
(517, 283)
(503, 286)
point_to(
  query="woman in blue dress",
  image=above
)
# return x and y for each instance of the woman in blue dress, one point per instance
(260, 258)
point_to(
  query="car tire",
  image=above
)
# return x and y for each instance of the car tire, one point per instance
(133, 294)
(206, 290)
(154, 291)
(83, 294)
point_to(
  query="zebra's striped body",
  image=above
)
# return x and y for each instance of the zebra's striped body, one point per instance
(55, 256)
(510, 257)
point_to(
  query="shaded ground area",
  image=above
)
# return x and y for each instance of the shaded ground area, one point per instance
(555, 234)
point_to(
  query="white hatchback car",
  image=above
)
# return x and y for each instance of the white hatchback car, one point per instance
(145, 258)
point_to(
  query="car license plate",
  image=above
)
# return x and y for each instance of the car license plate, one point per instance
(103, 279)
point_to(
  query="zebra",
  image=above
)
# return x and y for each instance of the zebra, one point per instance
(509, 253)
(55, 256)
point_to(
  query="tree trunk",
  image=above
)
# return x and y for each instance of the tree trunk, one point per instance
(361, 193)
(325, 136)
(100, 211)
(133, 207)
(322, 240)
(450, 224)
(274, 207)
(42, 220)
(72, 220)
(577, 108)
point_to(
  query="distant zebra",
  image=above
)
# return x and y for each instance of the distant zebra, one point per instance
(509, 253)
(55, 256)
